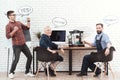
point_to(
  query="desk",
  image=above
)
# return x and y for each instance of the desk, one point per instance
(70, 56)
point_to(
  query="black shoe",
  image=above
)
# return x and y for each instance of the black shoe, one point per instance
(96, 75)
(82, 74)
(53, 75)
(52, 72)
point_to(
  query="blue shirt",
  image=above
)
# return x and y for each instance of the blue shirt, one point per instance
(45, 42)
(104, 41)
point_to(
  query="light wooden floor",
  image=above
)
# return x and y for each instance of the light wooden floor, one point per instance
(60, 76)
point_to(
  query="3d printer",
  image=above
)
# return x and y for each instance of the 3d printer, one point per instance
(75, 38)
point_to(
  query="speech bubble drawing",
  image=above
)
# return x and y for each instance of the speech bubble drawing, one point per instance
(111, 19)
(25, 10)
(59, 22)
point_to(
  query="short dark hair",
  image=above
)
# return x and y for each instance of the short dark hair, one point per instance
(99, 24)
(9, 13)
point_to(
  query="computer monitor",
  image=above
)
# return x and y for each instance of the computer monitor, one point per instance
(58, 36)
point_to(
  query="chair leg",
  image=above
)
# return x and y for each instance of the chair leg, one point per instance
(95, 68)
(98, 65)
(44, 64)
(103, 71)
(101, 67)
(111, 70)
(47, 71)
(37, 73)
(39, 68)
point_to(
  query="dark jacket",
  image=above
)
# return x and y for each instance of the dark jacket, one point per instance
(45, 42)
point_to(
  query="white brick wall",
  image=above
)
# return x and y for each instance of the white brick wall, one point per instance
(80, 14)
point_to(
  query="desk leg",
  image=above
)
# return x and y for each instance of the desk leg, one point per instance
(107, 68)
(70, 62)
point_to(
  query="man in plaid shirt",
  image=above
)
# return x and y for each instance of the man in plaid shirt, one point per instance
(14, 30)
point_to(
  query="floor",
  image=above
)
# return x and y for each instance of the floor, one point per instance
(61, 76)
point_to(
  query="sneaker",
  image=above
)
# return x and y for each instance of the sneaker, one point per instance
(29, 74)
(11, 75)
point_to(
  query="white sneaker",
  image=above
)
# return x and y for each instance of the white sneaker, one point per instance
(11, 75)
(29, 74)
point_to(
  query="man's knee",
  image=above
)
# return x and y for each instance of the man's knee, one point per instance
(86, 56)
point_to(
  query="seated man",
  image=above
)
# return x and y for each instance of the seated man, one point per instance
(46, 43)
(103, 44)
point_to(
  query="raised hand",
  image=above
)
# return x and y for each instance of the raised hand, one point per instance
(28, 19)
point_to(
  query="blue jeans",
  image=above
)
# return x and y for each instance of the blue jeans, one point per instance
(16, 55)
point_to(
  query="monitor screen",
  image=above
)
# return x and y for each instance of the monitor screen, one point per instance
(58, 35)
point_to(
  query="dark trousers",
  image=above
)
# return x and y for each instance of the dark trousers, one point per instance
(88, 61)
(16, 55)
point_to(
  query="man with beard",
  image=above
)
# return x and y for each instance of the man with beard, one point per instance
(103, 44)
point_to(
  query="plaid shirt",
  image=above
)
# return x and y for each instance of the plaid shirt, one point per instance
(18, 38)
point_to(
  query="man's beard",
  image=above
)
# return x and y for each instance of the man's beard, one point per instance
(98, 32)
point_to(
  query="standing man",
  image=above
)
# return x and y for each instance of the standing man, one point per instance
(103, 44)
(14, 30)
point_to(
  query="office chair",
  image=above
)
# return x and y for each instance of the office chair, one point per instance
(105, 63)
(43, 58)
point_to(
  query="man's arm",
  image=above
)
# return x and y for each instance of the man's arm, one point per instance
(9, 33)
(107, 51)
(109, 44)
(28, 22)
(52, 51)
(43, 43)
(88, 43)
(55, 46)
(13, 32)
(25, 27)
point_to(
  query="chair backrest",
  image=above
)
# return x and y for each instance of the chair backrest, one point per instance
(41, 54)
(110, 56)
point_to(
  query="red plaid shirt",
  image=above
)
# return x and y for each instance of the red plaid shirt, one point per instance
(18, 38)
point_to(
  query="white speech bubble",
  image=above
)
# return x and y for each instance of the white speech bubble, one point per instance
(57, 21)
(111, 19)
(25, 10)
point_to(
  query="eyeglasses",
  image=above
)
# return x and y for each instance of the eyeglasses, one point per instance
(13, 15)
